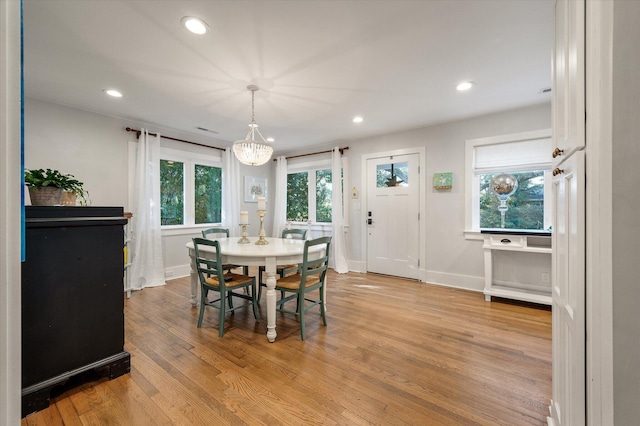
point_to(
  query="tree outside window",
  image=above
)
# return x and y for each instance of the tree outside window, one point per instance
(526, 205)
(190, 193)
(298, 197)
(309, 196)
(323, 196)
(171, 192)
(208, 194)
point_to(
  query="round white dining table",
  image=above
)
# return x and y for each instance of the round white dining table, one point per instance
(279, 251)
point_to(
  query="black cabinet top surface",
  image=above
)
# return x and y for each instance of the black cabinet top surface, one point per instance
(47, 216)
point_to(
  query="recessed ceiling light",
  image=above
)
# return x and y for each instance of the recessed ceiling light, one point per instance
(113, 92)
(357, 119)
(465, 85)
(195, 25)
(271, 140)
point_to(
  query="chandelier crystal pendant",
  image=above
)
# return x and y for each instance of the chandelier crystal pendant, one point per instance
(249, 150)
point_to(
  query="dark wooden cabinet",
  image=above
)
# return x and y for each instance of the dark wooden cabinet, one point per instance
(72, 298)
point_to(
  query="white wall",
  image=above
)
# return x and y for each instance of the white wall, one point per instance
(626, 204)
(89, 146)
(93, 147)
(450, 258)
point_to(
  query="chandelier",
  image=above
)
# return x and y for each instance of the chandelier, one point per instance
(248, 150)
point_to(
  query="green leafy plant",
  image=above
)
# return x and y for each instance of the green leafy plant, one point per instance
(38, 178)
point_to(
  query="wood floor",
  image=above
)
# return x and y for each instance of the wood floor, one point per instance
(395, 352)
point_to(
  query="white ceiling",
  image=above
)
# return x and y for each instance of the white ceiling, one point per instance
(318, 63)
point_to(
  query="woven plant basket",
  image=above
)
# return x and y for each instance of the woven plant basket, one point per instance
(45, 196)
(68, 198)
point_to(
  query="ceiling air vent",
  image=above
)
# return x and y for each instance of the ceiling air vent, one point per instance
(207, 130)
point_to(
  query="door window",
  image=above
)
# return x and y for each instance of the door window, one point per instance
(392, 174)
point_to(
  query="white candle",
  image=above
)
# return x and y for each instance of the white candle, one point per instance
(244, 218)
(262, 203)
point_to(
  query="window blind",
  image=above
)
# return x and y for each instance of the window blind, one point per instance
(526, 154)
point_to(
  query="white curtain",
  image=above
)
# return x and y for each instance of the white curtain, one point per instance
(231, 193)
(337, 218)
(280, 201)
(147, 269)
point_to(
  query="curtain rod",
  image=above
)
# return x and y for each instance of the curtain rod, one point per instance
(129, 129)
(342, 150)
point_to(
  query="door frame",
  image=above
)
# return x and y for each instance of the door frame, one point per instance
(599, 222)
(11, 191)
(422, 241)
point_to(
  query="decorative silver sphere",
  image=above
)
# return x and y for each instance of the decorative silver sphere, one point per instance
(503, 185)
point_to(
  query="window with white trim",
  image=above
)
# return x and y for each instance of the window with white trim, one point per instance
(190, 189)
(309, 196)
(309, 192)
(525, 156)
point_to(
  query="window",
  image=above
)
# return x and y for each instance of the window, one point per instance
(309, 199)
(171, 192)
(190, 189)
(392, 174)
(298, 196)
(525, 156)
(310, 192)
(525, 206)
(208, 194)
(323, 195)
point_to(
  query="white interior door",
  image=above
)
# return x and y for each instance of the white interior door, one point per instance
(568, 405)
(568, 79)
(568, 293)
(393, 207)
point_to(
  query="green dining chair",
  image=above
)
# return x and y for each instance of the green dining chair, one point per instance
(311, 276)
(213, 278)
(282, 270)
(213, 232)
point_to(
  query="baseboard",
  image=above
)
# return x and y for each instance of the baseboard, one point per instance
(357, 266)
(179, 271)
(465, 282)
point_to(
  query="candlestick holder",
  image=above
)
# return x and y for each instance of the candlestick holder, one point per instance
(261, 240)
(244, 239)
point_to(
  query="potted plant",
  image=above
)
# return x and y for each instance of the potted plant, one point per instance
(46, 187)
(74, 190)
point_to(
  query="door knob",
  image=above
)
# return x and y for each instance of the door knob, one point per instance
(557, 171)
(557, 152)
(369, 221)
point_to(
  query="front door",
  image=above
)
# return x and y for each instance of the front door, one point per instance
(393, 207)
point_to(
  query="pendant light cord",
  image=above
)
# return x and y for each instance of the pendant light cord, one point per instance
(253, 111)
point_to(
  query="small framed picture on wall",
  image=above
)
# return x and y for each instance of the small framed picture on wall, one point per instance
(254, 187)
(443, 180)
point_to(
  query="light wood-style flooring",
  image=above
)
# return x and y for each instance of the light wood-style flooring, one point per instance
(395, 352)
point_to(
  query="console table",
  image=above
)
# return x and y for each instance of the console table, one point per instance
(531, 250)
